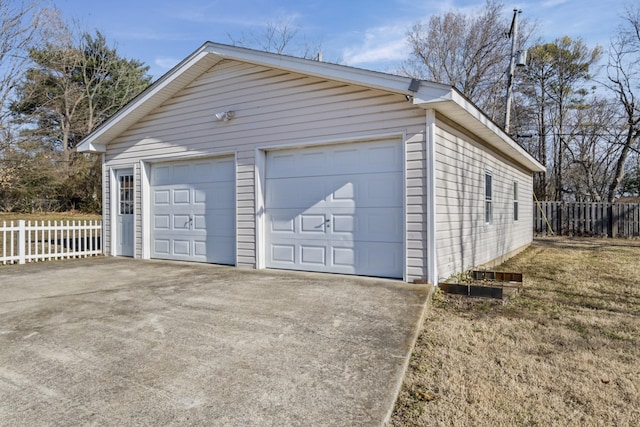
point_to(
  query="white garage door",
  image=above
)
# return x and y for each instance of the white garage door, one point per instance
(193, 211)
(336, 209)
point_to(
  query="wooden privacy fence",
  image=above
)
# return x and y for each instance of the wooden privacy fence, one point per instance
(22, 241)
(587, 219)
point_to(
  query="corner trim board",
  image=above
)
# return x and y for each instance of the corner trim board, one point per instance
(430, 173)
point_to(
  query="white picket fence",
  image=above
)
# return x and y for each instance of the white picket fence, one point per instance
(23, 241)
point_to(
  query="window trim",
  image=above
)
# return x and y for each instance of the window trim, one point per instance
(488, 197)
(516, 201)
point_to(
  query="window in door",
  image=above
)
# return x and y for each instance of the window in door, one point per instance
(126, 194)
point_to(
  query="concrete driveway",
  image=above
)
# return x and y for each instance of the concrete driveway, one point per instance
(115, 341)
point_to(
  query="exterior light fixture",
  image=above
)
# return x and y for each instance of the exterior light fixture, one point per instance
(225, 116)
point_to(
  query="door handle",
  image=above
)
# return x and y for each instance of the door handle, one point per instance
(327, 222)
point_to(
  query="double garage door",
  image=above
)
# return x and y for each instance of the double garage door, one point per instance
(336, 209)
(193, 211)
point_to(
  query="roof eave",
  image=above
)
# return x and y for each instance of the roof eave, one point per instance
(211, 53)
(324, 70)
(147, 100)
(92, 147)
(469, 116)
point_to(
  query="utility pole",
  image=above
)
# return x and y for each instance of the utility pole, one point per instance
(513, 35)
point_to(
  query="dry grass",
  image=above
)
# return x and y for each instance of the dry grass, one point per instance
(565, 352)
(49, 216)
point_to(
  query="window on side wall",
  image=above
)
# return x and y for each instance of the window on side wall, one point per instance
(488, 198)
(515, 201)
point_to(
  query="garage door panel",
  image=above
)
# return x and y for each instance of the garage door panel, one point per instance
(343, 257)
(204, 250)
(338, 191)
(161, 174)
(313, 255)
(200, 196)
(377, 157)
(281, 223)
(312, 223)
(297, 192)
(181, 247)
(162, 246)
(162, 222)
(222, 224)
(283, 254)
(193, 210)
(383, 190)
(377, 259)
(383, 158)
(181, 196)
(224, 169)
(344, 223)
(369, 224)
(383, 258)
(161, 197)
(336, 209)
(181, 222)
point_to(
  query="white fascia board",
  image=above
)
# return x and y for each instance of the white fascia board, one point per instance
(154, 95)
(477, 122)
(512, 146)
(92, 147)
(432, 93)
(324, 70)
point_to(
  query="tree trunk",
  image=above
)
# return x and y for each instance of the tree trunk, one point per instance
(632, 134)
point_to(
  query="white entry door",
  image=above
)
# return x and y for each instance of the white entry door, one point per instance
(336, 209)
(193, 211)
(124, 213)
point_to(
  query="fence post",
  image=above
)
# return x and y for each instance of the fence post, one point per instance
(22, 242)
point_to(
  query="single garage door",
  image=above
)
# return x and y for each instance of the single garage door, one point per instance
(193, 211)
(336, 209)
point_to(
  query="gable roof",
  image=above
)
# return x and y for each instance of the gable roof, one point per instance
(428, 95)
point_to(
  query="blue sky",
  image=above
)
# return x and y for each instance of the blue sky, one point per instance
(367, 34)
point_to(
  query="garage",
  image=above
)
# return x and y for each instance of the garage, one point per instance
(193, 210)
(336, 209)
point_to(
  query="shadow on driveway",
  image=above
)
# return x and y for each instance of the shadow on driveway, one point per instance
(114, 341)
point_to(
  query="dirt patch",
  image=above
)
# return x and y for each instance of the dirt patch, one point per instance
(565, 351)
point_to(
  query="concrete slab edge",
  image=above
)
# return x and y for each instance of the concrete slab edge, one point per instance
(405, 367)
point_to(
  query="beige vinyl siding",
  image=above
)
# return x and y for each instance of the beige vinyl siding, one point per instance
(245, 208)
(275, 108)
(416, 216)
(463, 238)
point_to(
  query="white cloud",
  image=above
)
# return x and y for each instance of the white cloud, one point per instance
(165, 63)
(552, 3)
(379, 44)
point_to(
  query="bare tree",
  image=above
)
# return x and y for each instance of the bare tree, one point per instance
(591, 149)
(17, 32)
(279, 37)
(468, 51)
(623, 73)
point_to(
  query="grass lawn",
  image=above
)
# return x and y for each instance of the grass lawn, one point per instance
(565, 351)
